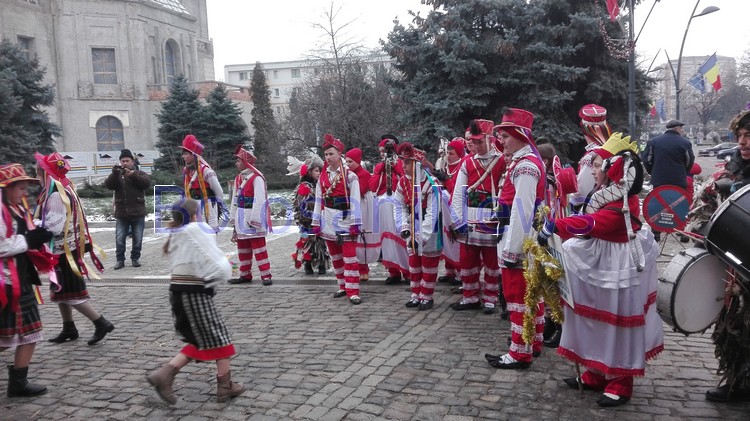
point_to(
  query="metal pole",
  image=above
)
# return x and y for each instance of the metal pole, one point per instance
(631, 72)
(677, 88)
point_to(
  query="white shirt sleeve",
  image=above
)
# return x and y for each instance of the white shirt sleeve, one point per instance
(525, 178)
(316, 216)
(13, 245)
(55, 214)
(260, 203)
(355, 199)
(459, 205)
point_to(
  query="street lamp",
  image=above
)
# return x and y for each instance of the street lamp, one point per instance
(677, 88)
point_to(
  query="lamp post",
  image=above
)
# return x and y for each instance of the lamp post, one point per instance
(677, 88)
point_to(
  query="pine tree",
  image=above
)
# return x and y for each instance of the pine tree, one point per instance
(181, 114)
(24, 126)
(266, 140)
(472, 58)
(225, 128)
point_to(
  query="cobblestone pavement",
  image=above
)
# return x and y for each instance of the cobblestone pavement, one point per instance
(304, 355)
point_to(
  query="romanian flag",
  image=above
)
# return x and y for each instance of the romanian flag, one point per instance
(710, 71)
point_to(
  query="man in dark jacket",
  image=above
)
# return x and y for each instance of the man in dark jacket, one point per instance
(668, 158)
(129, 185)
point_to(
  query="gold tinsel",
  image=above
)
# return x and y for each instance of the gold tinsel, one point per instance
(541, 271)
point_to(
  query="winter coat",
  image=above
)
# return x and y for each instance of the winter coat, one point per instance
(129, 192)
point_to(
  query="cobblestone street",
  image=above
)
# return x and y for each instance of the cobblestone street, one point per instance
(304, 355)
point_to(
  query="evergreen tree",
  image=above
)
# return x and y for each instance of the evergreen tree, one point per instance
(225, 128)
(472, 58)
(24, 126)
(266, 140)
(181, 114)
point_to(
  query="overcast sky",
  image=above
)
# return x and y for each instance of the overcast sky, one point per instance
(248, 31)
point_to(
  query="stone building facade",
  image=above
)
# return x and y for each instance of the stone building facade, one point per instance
(111, 62)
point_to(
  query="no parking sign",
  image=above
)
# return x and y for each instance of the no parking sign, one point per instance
(666, 208)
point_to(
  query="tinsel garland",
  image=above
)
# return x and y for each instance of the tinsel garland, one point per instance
(541, 272)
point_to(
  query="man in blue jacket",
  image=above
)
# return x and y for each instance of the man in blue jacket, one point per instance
(668, 158)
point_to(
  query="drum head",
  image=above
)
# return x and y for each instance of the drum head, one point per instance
(698, 295)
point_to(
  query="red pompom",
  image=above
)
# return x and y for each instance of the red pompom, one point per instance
(304, 190)
(303, 170)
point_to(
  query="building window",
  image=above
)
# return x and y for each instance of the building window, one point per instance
(26, 45)
(109, 134)
(276, 92)
(105, 69)
(243, 75)
(295, 73)
(170, 62)
(278, 111)
(296, 90)
(275, 74)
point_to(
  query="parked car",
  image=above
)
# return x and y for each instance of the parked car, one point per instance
(715, 149)
(726, 153)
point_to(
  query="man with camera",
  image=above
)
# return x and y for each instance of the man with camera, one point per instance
(129, 185)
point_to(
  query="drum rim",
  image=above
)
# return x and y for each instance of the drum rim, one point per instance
(672, 301)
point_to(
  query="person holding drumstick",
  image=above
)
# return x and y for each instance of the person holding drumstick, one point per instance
(612, 326)
(732, 332)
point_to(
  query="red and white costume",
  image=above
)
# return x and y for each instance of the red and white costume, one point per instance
(474, 197)
(451, 248)
(201, 183)
(422, 209)
(522, 191)
(250, 218)
(393, 247)
(368, 243)
(337, 214)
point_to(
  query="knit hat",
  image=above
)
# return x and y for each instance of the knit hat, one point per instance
(125, 153)
(355, 155)
(458, 144)
(11, 173)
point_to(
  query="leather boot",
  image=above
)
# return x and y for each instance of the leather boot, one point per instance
(226, 388)
(18, 386)
(549, 328)
(103, 326)
(163, 379)
(554, 340)
(68, 333)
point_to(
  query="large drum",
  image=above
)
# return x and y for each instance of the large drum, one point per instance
(727, 232)
(691, 292)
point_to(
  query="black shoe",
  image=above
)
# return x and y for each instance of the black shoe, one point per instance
(393, 280)
(491, 357)
(68, 333)
(354, 299)
(446, 279)
(607, 402)
(426, 304)
(103, 326)
(573, 383)
(504, 364)
(267, 282)
(136, 263)
(414, 302)
(488, 310)
(119, 265)
(321, 270)
(308, 269)
(240, 280)
(722, 394)
(554, 340)
(461, 305)
(340, 293)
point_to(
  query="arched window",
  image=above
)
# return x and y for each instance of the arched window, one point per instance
(109, 134)
(172, 66)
